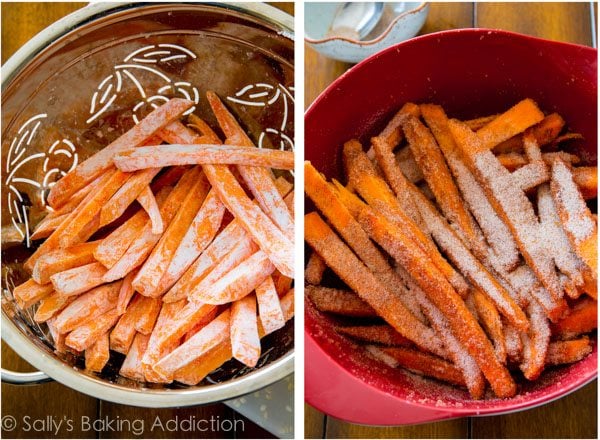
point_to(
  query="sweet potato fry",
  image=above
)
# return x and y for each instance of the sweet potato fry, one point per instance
(245, 343)
(582, 318)
(147, 200)
(57, 338)
(148, 278)
(86, 334)
(87, 170)
(79, 279)
(51, 305)
(258, 179)
(125, 195)
(96, 356)
(407, 164)
(575, 216)
(206, 339)
(341, 302)
(125, 292)
(76, 199)
(30, 293)
(132, 365)
(426, 364)
(358, 277)
(315, 268)
(545, 133)
(567, 352)
(392, 134)
(63, 259)
(491, 322)
(512, 161)
(270, 313)
(535, 342)
(87, 307)
(237, 283)
(375, 334)
(47, 226)
(289, 202)
(176, 154)
(586, 179)
(477, 123)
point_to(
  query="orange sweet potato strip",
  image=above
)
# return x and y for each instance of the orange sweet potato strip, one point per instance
(535, 342)
(490, 319)
(512, 122)
(75, 200)
(510, 203)
(426, 364)
(57, 338)
(125, 292)
(197, 370)
(375, 334)
(289, 202)
(30, 293)
(237, 283)
(575, 216)
(269, 308)
(87, 170)
(282, 283)
(204, 154)
(567, 352)
(96, 356)
(430, 159)
(315, 268)
(148, 314)
(201, 324)
(358, 277)
(582, 318)
(87, 307)
(259, 180)
(79, 279)
(215, 333)
(443, 295)
(148, 278)
(125, 195)
(586, 179)
(341, 302)
(121, 336)
(47, 226)
(513, 161)
(147, 200)
(245, 343)
(392, 134)
(143, 244)
(51, 305)
(86, 334)
(132, 365)
(477, 123)
(63, 259)
(545, 132)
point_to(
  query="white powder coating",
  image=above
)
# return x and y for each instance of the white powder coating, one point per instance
(382, 356)
(245, 343)
(531, 175)
(524, 280)
(557, 242)
(495, 230)
(519, 212)
(535, 342)
(512, 342)
(575, 215)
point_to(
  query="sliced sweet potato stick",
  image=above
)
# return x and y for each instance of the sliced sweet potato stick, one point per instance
(121, 336)
(496, 232)
(87, 307)
(406, 162)
(269, 308)
(358, 277)
(258, 179)
(315, 268)
(512, 161)
(510, 123)
(477, 123)
(125, 292)
(289, 202)
(86, 334)
(545, 132)
(57, 338)
(197, 370)
(132, 365)
(282, 283)
(148, 278)
(392, 134)
(87, 170)
(582, 318)
(430, 159)
(375, 334)
(202, 154)
(201, 324)
(426, 364)
(586, 179)
(575, 216)
(143, 244)
(510, 203)
(245, 343)
(79, 279)
(567, 352)
(338, 301)
(535, 342)
(215, 333)
(147, 200)
(490, 319)
(96, 356)
(63, 259)
(514, 344)
(378, 194)
(237, 283)
(443, 295)
(51, 305)
(30, 293)
(47, 226)
(78, 197)
(125, 195)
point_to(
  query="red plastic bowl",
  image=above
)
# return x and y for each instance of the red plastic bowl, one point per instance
(470, 72)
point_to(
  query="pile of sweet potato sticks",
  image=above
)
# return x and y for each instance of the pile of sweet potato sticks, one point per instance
(179, 256)
(466, 249)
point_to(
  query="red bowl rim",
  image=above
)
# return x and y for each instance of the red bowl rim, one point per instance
(503, 406)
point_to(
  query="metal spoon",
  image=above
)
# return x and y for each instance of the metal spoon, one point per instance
(355, 20)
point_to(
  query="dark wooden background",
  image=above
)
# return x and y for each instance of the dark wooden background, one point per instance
(20, 22)
(574, 416)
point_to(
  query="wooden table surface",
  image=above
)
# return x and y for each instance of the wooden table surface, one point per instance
(20, 22)
(574, 416)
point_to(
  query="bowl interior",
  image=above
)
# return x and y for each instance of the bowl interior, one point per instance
(470, 73)
(85, 89)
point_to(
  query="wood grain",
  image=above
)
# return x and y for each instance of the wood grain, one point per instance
(314, 422)
(457, 428)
